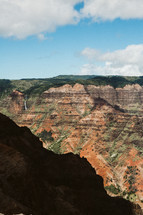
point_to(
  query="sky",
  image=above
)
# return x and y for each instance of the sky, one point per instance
(47, 38)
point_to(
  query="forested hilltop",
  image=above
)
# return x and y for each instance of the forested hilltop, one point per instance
(37, 86)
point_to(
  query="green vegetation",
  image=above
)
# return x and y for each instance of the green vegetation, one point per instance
(113, 189)
(75, 77)
(79, 146)
(23, 85)
(129, 195)
(87, 111)
(46, 136)
(121, 135)
(5, 87)
(130, 178)
(7, 113)
(32, 87)
(81, 143)
(55, 146)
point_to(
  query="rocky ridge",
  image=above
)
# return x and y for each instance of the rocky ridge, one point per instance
(99, 123)
(36, 181)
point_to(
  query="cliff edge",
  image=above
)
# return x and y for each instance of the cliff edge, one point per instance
(36, 181)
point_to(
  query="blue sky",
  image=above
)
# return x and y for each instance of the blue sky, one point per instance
(78, 41)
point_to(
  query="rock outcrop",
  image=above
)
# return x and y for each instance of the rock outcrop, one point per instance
(99, 123)
(36, 181)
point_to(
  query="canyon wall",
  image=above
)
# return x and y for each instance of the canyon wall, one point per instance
(36, 181)
(99, 123)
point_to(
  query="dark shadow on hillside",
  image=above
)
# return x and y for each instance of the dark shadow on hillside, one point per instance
(36, 181)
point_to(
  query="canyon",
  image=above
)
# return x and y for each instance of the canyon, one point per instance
(36, 181)
(100, 123)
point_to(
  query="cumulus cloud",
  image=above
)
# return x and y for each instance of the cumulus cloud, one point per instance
(127, 70)
(112, 9)
(127, 62)
(21, 18)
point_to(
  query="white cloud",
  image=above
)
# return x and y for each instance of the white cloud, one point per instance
(112, 9)
(42, 37)
(127, 62)
(21, 18)
(127, 70)
(91, 53)
(86, 69)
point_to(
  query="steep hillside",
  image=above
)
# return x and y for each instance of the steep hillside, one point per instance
(36, 181)
(101, 123)
(34, 87)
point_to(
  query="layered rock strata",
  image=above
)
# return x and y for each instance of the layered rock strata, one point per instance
(36, 181)
(102, 124)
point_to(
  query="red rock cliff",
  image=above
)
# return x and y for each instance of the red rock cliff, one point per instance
(36, 181)
(102, 124)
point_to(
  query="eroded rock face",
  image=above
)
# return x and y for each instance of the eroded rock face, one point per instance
(36, 181)
(13, 104)
(102, 124)
(126, 97)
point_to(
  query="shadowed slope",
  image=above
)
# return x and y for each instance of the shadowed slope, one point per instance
(36, 181)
